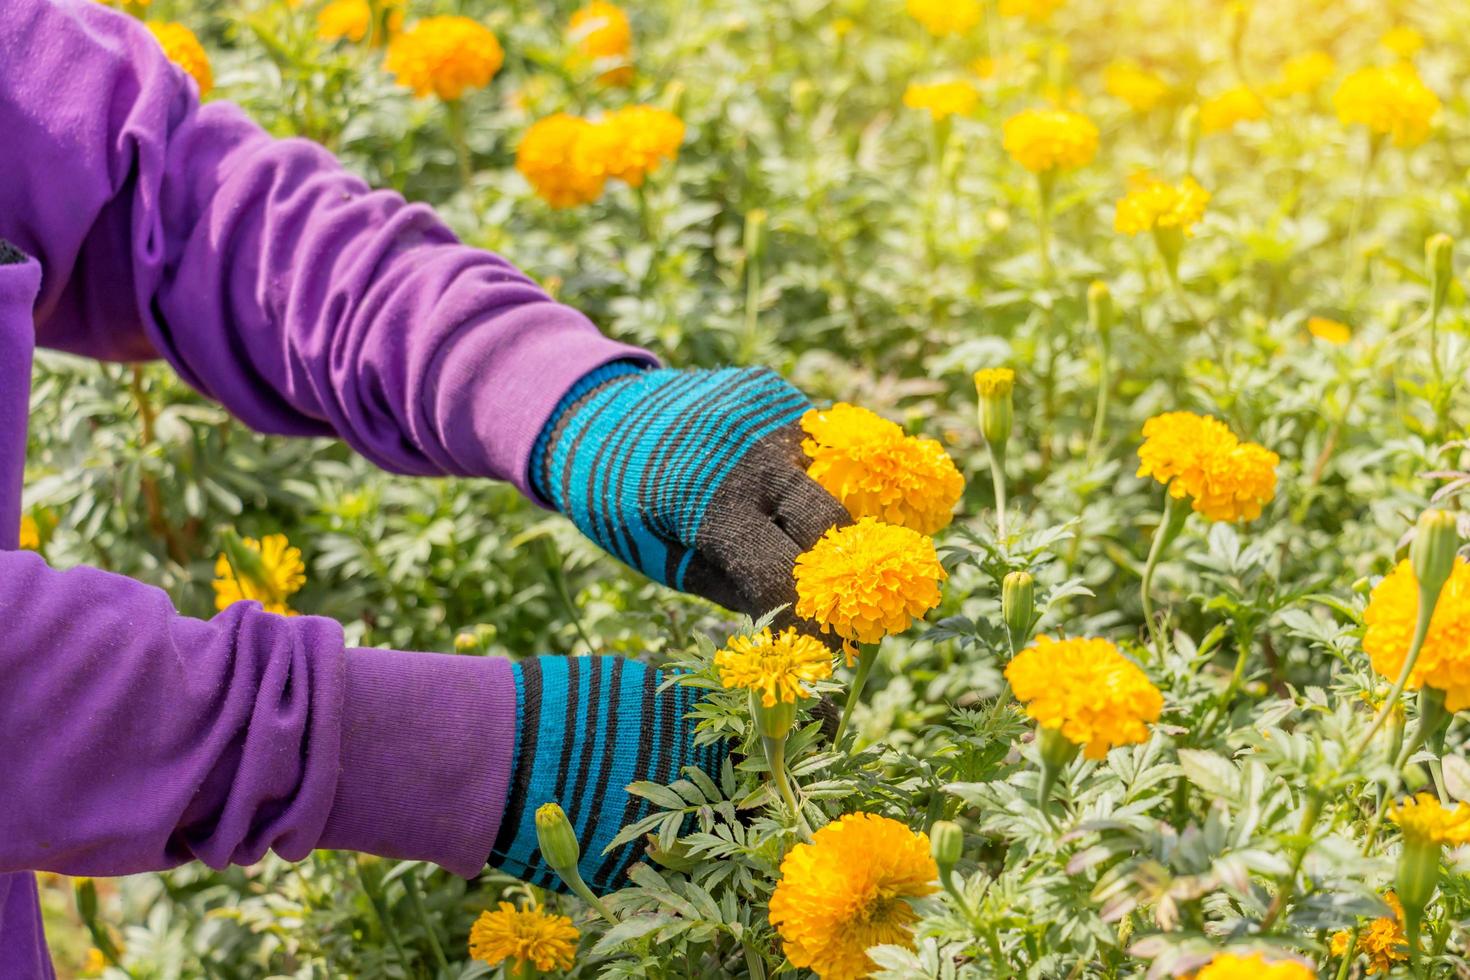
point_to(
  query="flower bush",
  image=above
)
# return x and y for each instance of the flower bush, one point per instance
(1131, 366)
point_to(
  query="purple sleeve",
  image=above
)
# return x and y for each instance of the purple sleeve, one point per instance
(272, 279)
(135, 738)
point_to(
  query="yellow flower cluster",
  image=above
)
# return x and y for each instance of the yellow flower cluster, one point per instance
(1229, 108)
(941, 17)
(1050, 140)
(876, 470)
(1402, 40)
(1303, 74)
(1141, 90)
(353, 19)
(600, 34)
(444, 56)
(941, 99)
(1152, 203)
(568, 159)
(1423, 820)
(527, 936)
(1197, 456)
(1392, 102)
(775, 667)
(1096, 697)
(1035, 11)
(184, 50)
(1329, 330)
(280, 575)
(868, 580)
(1444, 659)
(1230, 966)
(847, 890)
(30, 533)
(1383, 942)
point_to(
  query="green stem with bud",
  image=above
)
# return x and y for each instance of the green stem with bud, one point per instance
(998, 480)
(866, 656)
(776, 760)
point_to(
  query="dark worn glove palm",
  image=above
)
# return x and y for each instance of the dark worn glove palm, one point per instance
(695, 478)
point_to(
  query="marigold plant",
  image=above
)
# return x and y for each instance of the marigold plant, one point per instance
(1087, 690)
(632, 142)
(1254, 966)
(525, 936)
(1230, 108)
(876, 470)
(1141, 90)
(353, 20)
(1152, 204)
(1382, 941)
(1050, 140)
(941, 17)
(1198, 457)
(848, 890)
(600, 33)
(1304, 73)
(444, 56)
(558, 158)
(1444, 659)
(942, 99)
(1391, 102)
(775, 666)
(1402, 40)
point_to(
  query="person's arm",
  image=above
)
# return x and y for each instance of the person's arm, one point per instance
(270, 277)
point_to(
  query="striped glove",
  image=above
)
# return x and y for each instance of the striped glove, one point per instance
(695, 478)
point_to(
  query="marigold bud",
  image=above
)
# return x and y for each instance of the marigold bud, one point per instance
(1100, 309)
(774, 722)
(1057, 751)
(1439, 251)
(1018, 606)
(1432, 552)
(557, 839)
(1416, 879)
(994, 386)
(466, 642)
(946, 843)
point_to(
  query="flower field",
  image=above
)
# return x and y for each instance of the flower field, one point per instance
(1140, 347)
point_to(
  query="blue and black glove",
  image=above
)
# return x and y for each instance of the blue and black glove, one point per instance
(695, 478)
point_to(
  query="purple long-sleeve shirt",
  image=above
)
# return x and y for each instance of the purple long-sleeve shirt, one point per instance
(132, 738)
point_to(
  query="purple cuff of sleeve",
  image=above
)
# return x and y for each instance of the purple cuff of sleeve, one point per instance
(427, 745)
(513, 375)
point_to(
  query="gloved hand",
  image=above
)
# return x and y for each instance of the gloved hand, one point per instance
(695, 478)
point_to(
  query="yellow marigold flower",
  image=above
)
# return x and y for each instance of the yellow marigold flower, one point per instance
(1402, 41)
(1444, 660)
(993, 382)
(546, 941)
(1383, 942)
(941, 99)
(600, 32)
(1390, 101)
(868, 580)
(184, 50)
(1087, 690)
(876, 470)
(1141, 90)
(444, 56)
(1329, 330)
(1230, 107)
(281, 575)
(941, 17)
(1302, 74)
(557, 156)
(1048, 140)
(633, 141)
(95, 963)
(1036, 11)
(1198, 457)
(30, 533)
(1151, 204)
(1423, 820)
(847, 891)
(775, 667)
(353, 19)
(1229, 966)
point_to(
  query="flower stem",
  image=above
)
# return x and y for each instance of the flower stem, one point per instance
(998, 479)
(455, 109)
(866, 656)
(776, 760)
(416, 899)
(1360, 206)
(1044, 185)
(1170, 523)
(1100, 413)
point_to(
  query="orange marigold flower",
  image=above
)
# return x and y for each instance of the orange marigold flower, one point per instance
(1050, 140)
(1444, 659)
(941, 99)
(1383, 942)
(1229, 108)
(1392, 102)
(184, 50)
(777, 667)
(868, 580)
(601, 34)
(1230, 966)
(847, 890)
(633, 141)
(1096, 697)
(353, 20)
(1196, 456)
(444, 56)
(527, 936)
(876, 470)
(558, 157)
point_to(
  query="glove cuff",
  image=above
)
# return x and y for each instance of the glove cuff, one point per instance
(589, 384)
